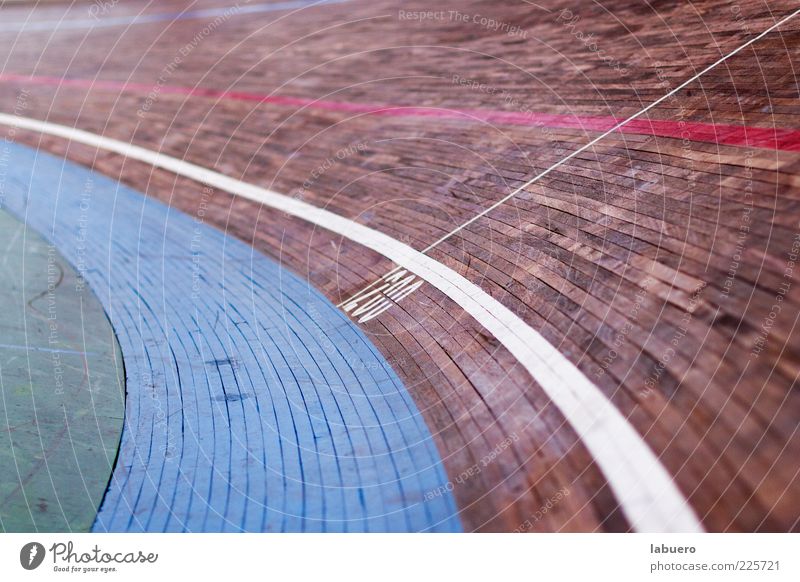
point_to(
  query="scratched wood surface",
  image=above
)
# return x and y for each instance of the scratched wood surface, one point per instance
(662, 267)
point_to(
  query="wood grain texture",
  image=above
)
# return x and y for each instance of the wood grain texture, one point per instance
(653, 263)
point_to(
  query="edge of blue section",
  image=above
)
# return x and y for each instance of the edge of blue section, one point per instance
(253, 403)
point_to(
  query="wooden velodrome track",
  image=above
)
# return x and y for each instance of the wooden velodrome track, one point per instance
(659, 261)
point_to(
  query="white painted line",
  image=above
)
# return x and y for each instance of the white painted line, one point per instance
(644, 489)
(580, 150)
(395, 288)
(593, 142)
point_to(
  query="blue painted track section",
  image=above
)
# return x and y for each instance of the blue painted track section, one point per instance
(253, 404)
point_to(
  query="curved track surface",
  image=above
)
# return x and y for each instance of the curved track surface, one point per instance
(621, 177)
(252, 403)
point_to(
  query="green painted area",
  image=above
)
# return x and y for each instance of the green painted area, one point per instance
(61, 389)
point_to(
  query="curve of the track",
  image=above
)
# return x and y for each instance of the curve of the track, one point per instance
(658, 261)
(253, 404)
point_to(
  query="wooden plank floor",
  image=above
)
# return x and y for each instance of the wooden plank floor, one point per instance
(654, 264)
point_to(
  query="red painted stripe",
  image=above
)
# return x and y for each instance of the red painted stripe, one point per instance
(733, 135)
